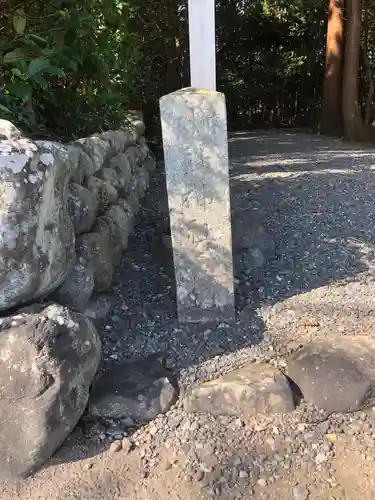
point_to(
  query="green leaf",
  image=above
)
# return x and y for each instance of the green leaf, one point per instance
(42, 82)
(14, 56)
(16, 72)
(54, 70)
(4, 109)
(43, 66)
(37, 66)
(37, 38)
(20, 89)
(19, 21)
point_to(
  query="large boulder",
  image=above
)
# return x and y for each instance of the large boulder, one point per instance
(252, 389)
(48, 358)
(37, 237)
(336, 374)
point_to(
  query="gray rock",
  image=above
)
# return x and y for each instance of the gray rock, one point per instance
(120, 224)
(251, 237)
(119, 174)
(83, 208)
(140, 390)
(37, 237)
(104, 192)
(97, 148)
(336, 375)
(253, 388)
(149, 163)
(109, 238)
(48, 360)
(252, 258)
(100, 305)
(135, 122)
(143, 181)
(129, 209)
(300, 493)
(94, 249)
(118, 140)
(74, 160)
(78, 287)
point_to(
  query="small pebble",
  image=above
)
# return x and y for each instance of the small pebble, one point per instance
(320, 458)
(198, 475)
(115, 447)
(127, 445)
(300, 493)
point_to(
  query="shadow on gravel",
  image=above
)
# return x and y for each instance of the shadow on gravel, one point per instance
(315, 196)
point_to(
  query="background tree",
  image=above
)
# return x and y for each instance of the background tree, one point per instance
(70, 68)
(334, 57)
(353, 123)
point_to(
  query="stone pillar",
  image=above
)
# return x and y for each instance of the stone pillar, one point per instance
(196, 162)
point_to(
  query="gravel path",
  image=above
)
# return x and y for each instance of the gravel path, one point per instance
(315, 197)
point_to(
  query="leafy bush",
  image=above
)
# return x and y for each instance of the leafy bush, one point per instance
(67, 67)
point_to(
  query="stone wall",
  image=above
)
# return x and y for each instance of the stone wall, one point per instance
(67, 211)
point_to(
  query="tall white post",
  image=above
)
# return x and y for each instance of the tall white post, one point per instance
(202, 42)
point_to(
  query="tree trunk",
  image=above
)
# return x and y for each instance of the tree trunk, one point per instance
(354, 128)
(332, 94)
(173, 47)
(370, 78)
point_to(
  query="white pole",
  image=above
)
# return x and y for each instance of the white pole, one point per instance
(202, 44)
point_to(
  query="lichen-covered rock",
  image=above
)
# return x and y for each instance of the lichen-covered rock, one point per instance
(36, 233)
(133, 155)
(128, 208)
(48, 358)
(252, 389)
(120, 224)
(74, 161)
(105, 193)
(83, 208)
(120, 180)
(97, 148)
(119, 140)
(95, 251)
(77, 288)
(122, 166)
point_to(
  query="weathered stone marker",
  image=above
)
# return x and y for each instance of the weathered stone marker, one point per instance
(196, 161)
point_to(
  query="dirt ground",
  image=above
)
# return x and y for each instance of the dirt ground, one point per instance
(316, 198)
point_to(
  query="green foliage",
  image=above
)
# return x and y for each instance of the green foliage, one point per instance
(67, 67)
(71, 67)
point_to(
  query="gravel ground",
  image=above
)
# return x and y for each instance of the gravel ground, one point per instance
(315, 198)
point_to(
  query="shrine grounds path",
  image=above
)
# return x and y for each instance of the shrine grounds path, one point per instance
(305, 205)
